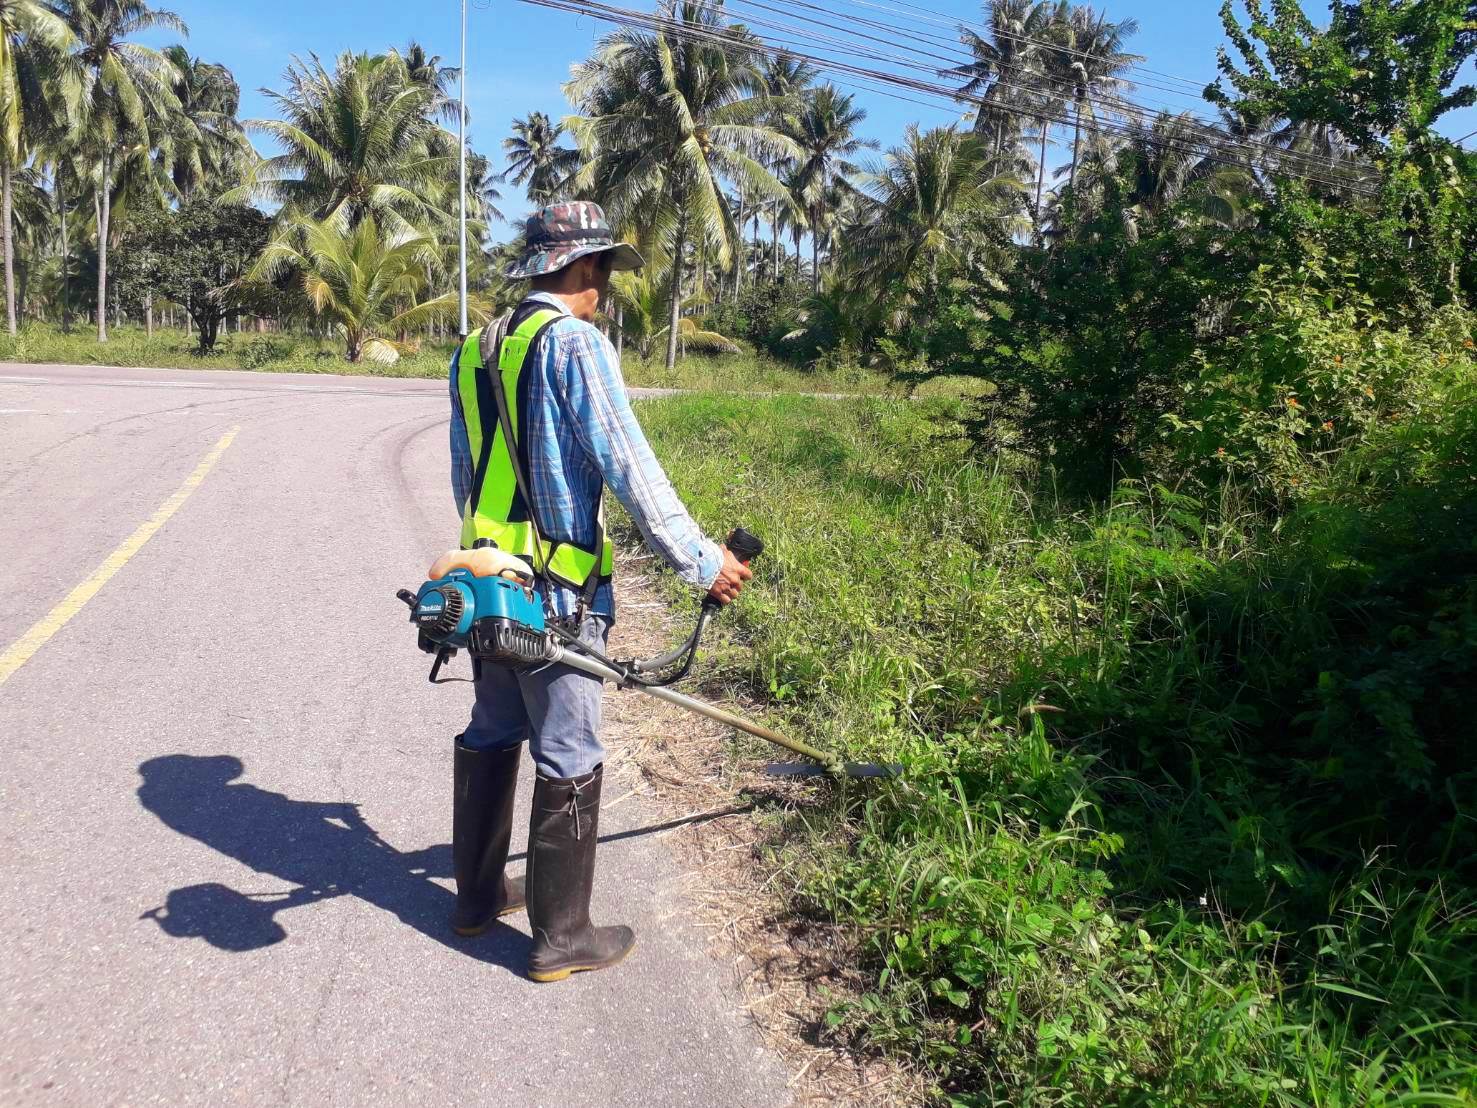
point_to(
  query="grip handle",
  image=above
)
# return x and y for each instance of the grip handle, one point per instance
(744, 545)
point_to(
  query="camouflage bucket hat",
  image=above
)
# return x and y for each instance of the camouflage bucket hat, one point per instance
(557, 235)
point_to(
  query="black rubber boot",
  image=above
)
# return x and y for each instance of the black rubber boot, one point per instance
(562, 832)
(481, 829)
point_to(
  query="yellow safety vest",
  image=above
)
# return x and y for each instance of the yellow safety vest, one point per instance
(495, 509)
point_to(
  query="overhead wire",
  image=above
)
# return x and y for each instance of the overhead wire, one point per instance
(1191, 86)
(1207, 148)
(1121, 106)
(966, 57)
(737, 38)
(1130, 110)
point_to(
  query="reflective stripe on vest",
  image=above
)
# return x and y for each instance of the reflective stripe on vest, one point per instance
(497, 500)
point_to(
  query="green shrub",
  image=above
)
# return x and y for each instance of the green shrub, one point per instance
(1303, 379)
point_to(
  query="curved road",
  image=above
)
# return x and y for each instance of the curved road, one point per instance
(227, 782)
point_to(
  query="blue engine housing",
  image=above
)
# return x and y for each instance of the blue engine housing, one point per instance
(492, 617)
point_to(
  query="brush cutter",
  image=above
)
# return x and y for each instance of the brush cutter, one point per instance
(501, 620)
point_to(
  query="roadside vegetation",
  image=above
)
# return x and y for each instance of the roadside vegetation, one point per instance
(1187, 810)
(1147, 546)
(744, 372)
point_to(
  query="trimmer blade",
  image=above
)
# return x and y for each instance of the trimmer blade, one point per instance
(812, 769)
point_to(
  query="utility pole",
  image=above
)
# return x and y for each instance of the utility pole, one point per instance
(462, 194)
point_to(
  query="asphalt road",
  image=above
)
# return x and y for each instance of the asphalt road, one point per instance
(226, 792)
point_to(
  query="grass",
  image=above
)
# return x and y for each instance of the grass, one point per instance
(173, 349)
(1114, 873)
(288, 353)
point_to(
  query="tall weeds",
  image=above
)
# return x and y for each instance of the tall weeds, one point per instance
(1154, 844)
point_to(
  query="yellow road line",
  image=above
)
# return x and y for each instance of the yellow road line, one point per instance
(20, 651)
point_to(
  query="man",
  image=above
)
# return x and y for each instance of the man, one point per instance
(574, 432)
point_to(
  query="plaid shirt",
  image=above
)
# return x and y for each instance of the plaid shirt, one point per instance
(582, 435)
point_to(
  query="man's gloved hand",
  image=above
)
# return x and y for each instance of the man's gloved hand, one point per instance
(486, 561)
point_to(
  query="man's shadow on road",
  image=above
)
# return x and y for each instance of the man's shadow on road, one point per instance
(324, 848)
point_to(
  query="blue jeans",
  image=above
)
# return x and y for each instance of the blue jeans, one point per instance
(557, 709)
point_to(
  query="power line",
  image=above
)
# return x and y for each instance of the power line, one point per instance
(1130, 110)
(1192, 87)
(735, 39)
(958, 59)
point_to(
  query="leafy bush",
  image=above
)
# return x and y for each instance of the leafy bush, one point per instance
(1302, 378)
(264, 350)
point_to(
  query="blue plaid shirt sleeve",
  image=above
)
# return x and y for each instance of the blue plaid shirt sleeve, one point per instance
(461, 446)
(589, 375)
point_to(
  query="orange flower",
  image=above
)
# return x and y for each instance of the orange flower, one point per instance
(1292, 402)
(1328, 425)
(1220, 451)
(1292, 481)
(1369, 392)
(1467, 343)
(1338, 359)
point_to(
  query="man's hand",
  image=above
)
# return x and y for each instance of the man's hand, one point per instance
(487, 561)
(730, 580)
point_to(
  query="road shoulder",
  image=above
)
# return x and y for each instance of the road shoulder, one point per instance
(727, 822)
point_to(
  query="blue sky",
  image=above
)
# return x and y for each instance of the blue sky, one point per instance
(518, 55)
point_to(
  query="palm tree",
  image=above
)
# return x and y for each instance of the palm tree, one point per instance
(127, 98)
(57, 155)
(427, 71)
(210, 147)
(536, 159)
(358, 280)
(641, 300)
(788, 81)
(998, 80)
(664, 120)
(1157, 165)
(1046, 93)
(795, 217)
(357, 142)
(921, 207)
(32, 36)
(1089, 54)
(482, 191)
(825, 131)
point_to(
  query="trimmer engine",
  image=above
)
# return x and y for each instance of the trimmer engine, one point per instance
(495, 618)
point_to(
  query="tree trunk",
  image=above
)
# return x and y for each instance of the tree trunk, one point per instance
(61, 204)
(774, 252)
(738, 258)
(815, 255)
(9, 251)
(105, 211)
(1076, 142)
(149, 313)
(675, 314)
(1040, 177)
(620, 329)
